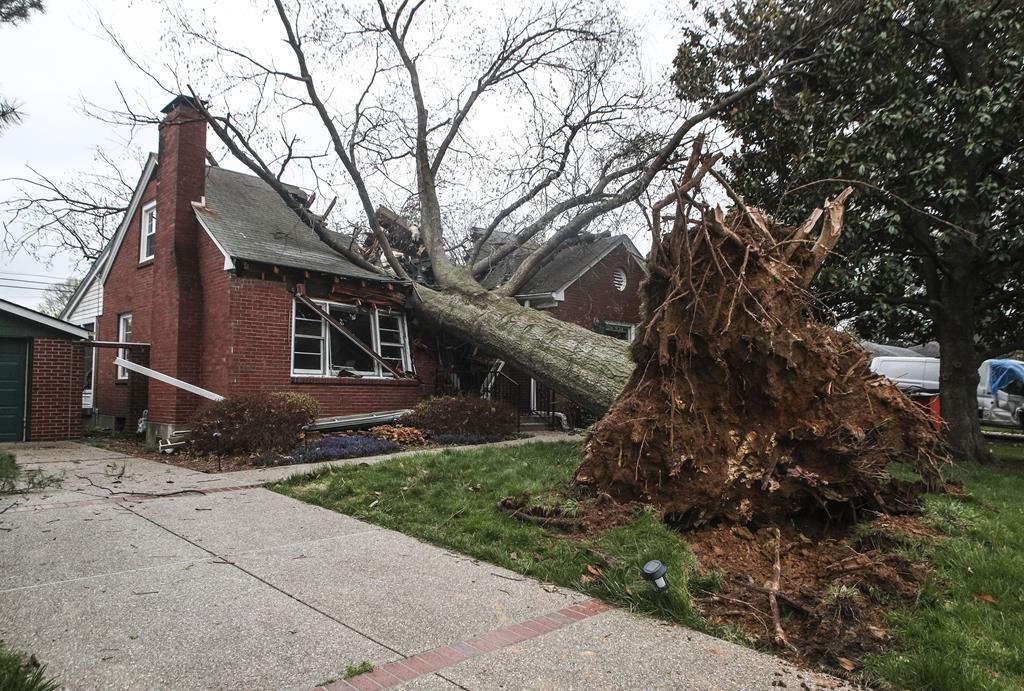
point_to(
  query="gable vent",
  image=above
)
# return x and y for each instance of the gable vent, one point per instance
(619, 279)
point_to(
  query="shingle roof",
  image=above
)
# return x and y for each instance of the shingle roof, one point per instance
(251, 222)
(565, 266)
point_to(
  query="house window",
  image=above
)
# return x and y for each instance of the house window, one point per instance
(619, 279)
(147, 242)
(619, 330)
(319, 349)
(124, 335)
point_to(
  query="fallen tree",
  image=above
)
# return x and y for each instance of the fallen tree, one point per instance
(742, 407)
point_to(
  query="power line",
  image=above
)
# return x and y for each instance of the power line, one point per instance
(21, 273)
(31, 281)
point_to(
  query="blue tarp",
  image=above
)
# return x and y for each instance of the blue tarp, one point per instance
(1004, 373)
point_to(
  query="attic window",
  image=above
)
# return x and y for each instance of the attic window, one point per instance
(147, 240)
(619, 279)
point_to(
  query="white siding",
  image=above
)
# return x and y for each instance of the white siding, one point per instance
(90, 306)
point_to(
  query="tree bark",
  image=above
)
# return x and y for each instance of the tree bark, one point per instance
(585, 366)
(958, 369)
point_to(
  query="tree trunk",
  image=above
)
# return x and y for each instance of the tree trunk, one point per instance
(584, 366)
(958, 369)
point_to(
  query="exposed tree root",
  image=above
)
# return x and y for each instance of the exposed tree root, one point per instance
(743, 408)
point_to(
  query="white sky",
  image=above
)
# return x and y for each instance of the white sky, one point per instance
(56, 59)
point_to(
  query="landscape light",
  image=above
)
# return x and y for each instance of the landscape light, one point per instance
(654, 573)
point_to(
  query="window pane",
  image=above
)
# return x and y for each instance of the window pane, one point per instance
(303, 361)
(345, 354)
(308, 345)
(306, 327)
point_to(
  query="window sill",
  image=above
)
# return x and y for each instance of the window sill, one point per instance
(145, 262)
(352, 381)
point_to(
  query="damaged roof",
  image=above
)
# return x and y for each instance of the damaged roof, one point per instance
(250, 222)
(566, 265)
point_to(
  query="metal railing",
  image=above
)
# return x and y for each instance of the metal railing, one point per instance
(492, 385)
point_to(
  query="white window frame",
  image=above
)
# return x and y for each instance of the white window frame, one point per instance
(147, 230)
(122, 335)
(328, 332)
(630, 329)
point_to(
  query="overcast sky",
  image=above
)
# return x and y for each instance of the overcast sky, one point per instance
(56, 59)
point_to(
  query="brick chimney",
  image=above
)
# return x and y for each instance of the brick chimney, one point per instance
(177, 294)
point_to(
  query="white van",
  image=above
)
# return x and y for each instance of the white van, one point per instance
(1006, 406)
(911, 374)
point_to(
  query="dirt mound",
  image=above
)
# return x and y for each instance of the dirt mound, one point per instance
(833, 592)
(743, 408)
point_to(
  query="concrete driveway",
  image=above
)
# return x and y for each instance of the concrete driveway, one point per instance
(138, 575)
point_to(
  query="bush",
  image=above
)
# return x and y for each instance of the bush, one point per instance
(21, 673)
(331, 448)
(398, 434)
(253, 422)
(462, 415)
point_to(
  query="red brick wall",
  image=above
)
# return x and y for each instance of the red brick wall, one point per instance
(594, 298)
(129, 288)
(216, 335)
(260, 359)
(55, 407)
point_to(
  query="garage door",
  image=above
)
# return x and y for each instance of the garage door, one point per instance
(13, 358)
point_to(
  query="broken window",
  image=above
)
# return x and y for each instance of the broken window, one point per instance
(318, 349)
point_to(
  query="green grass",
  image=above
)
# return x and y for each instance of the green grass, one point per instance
(953, 638)
(18, 673)
(956, 637)
(449, 499)
(364, 667)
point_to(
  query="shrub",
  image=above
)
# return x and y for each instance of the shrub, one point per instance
(21, 673)
(462, 415)
(253, 422)
(348, 446)
(398, 434)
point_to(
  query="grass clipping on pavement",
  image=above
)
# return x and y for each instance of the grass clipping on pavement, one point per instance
(966, 629)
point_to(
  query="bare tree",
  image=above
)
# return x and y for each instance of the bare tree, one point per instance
(74, 216)
(541, 116)
(56, 297)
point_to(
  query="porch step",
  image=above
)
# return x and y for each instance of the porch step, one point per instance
(530, 423)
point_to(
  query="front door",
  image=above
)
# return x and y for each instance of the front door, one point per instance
(13, 361)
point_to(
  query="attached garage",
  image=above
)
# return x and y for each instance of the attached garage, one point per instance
(41, 376)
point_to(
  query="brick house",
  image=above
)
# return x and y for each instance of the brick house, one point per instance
(593, 282)
(216, 282)
(41, 374)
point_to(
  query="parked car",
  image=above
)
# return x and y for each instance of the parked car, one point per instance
(911, 374)
(1001, 393)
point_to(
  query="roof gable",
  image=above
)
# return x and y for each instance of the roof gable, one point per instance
(101, 267)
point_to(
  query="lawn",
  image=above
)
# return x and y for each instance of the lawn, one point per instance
(449, 499)
(965, 632)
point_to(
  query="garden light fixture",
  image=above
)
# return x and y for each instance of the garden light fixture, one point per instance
(654, 573)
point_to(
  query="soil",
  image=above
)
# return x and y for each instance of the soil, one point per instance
(835, 591)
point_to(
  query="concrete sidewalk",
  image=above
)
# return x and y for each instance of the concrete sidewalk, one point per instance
(216, 586)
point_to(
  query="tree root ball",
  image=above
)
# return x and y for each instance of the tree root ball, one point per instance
(744, 408)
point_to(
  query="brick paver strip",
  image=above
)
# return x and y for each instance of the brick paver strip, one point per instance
(429, 661)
